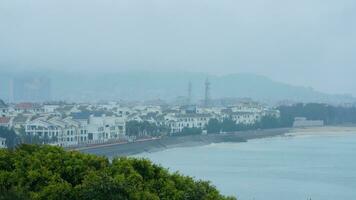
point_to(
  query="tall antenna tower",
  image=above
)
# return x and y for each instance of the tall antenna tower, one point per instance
(11, 91)
(189, 92)
(207, 93)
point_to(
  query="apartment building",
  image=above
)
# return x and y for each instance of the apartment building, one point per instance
(191, 120)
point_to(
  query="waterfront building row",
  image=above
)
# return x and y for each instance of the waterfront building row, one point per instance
(75, 131)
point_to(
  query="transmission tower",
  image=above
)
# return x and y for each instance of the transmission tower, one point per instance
(207, 93)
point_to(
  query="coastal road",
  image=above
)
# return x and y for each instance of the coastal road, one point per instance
(126, 149)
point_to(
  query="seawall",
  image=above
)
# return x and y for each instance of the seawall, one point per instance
(113, 150)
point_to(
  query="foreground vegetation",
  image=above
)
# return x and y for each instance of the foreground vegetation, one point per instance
(46, 172)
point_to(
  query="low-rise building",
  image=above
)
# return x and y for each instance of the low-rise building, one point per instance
(5, 122)
(29, 108)
(19, 121)
(77, 129)
(241, 117)
(177, 122)
(62, 132)
(70, 133)
(50, 108)
(74, 124)
(43, 129)
(105, 128)
(4, 109)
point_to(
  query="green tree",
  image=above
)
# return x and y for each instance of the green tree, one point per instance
(136, 128)
(11, 138)
(214, 126)
(228, 125)
(269, 121)
(133, 128)
(37, 172)
(190, 131)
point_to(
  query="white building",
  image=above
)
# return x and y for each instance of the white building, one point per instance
(19, 121)
(62, 132)
(240, 117)
(271, 112)
(105, 128)
(4, 109)
(71, 131)
(247, 107)
(50, 108)
(246, 118)
(44, 129)
(28, 108)
(177, 122)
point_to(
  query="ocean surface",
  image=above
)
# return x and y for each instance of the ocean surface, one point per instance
(293, 168)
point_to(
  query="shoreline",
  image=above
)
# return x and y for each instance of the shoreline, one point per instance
(322, 131)
(168, 142)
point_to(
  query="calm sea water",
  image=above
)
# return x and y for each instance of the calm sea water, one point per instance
(293, 168)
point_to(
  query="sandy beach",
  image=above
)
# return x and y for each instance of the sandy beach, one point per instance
(322, 131)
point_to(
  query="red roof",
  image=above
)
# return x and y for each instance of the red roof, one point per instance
(4, 120)
(24, 106)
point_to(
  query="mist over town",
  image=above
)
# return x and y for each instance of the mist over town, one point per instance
(181, 100)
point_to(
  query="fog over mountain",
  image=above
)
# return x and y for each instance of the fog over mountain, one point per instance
(305, 43)
(145, 85)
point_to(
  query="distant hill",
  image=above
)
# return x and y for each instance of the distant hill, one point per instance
(141, 85)
(263, 88)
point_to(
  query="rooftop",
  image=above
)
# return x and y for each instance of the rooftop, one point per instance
(24, 106)
(4, 120)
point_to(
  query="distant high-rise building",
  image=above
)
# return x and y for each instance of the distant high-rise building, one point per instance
(30, 89)
(207, 93)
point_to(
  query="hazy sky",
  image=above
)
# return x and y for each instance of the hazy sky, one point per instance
(303, 42)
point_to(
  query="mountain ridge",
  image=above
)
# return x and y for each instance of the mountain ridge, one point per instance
(147, 85)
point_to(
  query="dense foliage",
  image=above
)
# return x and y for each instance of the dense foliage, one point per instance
(190, 131)
(214, 126)
(331, 115)
(13, 139)
(144, 128)
(229, 125)
(46, 172)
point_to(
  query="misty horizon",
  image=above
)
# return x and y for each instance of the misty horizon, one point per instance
(28, 72)
(177, 99)
(301, 43)
(142, 85)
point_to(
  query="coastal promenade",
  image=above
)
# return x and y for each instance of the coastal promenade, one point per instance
(158, 144)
